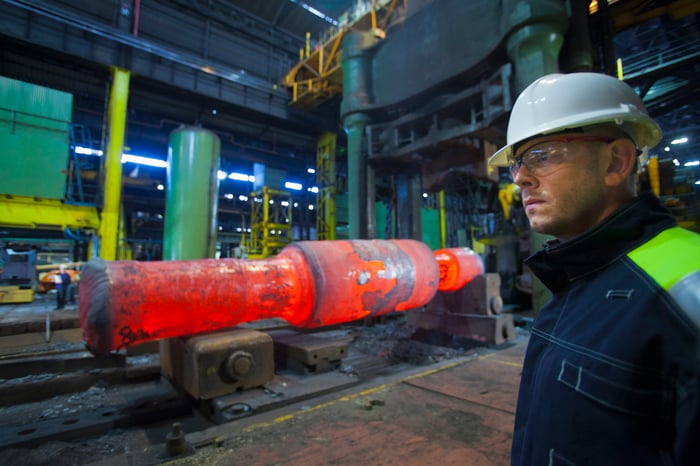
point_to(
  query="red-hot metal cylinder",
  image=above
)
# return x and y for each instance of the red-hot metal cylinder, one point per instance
(309, 284)
(458, 266)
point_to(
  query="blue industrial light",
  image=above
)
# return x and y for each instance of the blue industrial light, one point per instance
(241, 177)
(315, 12)
(126, 158)
(141, 160)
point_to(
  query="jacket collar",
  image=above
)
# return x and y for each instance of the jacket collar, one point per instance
(561, 263)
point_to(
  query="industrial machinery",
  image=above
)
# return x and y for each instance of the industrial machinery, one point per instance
(308, 285)
(473, 311)
(17, 281)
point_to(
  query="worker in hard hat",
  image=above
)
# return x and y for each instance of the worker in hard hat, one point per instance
(612, 370)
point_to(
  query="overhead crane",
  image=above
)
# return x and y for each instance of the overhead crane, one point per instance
(318, 76)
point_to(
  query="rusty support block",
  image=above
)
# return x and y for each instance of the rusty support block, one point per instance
(306, 354)
(216, 364)
(473, 311)
(486, 329)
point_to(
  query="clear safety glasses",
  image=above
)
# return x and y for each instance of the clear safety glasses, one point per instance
(545, 155)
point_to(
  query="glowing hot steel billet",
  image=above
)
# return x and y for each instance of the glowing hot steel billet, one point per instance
(308, 284)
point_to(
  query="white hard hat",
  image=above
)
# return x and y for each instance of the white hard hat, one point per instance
(558, 102)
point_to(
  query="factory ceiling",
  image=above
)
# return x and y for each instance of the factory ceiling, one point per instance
(68, 45)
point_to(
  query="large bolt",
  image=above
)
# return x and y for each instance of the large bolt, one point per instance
(239, 364)
(175, 441)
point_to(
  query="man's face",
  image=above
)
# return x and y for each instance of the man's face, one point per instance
(562, 183)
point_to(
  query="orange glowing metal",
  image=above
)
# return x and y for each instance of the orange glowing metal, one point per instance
(458, 266)
(309, 284)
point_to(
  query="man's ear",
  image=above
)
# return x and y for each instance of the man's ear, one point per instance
(620, 161)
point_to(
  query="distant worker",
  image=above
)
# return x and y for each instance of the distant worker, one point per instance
(62, 280)
(612, 371)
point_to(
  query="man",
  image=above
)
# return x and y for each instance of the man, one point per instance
(62, 280)
(612, 371)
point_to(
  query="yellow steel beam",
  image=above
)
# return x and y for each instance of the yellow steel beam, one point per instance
(271, 211)
(109, 228)
(318, 75)
(57, 266)
(325, 179)
(45, 214)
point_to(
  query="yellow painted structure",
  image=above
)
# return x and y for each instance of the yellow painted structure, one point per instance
(270, 222)
(45, 214)
(654, 177)
(16, 294)
(318, 75)
(109, 228)
(325, 180)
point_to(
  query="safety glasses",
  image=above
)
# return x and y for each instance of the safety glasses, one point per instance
(545, 155)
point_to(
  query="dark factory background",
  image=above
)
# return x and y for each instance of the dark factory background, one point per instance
(234, 68)
(152, 130)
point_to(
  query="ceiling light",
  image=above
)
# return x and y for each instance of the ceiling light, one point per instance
(131, 158)
(240, 176)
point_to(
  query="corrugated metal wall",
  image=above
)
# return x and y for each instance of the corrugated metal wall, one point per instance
(34, 139)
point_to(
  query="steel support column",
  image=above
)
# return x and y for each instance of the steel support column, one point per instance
(325, 180)
(359, 221)
(357, 95)
(538, 34)
(116, 116)
(408, 205)
(539, 27)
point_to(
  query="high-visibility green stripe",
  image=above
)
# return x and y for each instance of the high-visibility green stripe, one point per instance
(669, 256)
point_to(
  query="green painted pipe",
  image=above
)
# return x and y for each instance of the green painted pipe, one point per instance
(192, 194)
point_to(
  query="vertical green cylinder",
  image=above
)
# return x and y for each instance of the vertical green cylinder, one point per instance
(357, 97)
(537, 35)
(192, 194)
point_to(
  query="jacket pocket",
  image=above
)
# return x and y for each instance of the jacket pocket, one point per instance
(622, 394)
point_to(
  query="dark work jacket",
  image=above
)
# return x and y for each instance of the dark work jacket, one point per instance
(611, 372)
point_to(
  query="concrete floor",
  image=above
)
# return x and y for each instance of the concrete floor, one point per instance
(457, 411)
